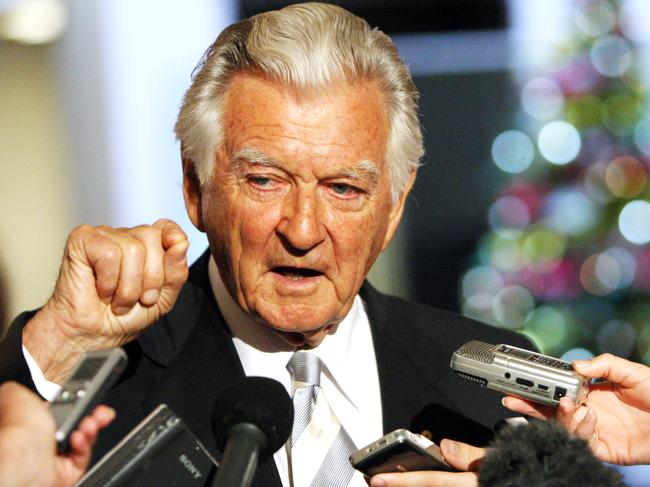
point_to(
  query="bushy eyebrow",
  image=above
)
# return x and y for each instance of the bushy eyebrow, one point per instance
(365, 167)
(252, 155)
(359, 171)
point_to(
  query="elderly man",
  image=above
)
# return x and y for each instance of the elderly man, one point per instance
(300, 143)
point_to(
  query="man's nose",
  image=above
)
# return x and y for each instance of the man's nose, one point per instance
(300, 226)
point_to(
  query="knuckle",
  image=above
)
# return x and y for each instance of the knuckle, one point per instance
(134, 250)
(146, 234)
(128, 294)
(111, 253)
(80, 231)
(163, 222)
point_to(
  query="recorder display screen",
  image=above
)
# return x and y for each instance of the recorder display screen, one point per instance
(535, 357)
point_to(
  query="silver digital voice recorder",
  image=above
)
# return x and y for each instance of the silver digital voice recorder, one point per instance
(92, 376)
(520, 372)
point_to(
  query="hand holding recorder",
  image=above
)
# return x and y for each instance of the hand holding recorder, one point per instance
(457, 468)
(615, 419)
(27, 447)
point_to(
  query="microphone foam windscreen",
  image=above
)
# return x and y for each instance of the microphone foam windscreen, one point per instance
(542, 454)
(261, 401)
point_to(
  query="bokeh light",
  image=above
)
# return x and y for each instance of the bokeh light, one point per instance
(542, 250)
(634, 222)
(479, 287)
(642, 275)
(547, 326)
(513, 151)
(508, 212)
(584, 111)
(578, 353)
(542, 98)
(600, 274)
(569, 240)
(634, 17)
(621, 113)
(611, 55)
(626, 264)
(502, 251)
(626, 177)
(593, 183)
(595, 18)
(512, 304)
(642, 136)
(569, 211)
(559, 142)
(616, 337)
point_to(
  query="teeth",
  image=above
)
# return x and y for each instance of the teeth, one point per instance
(295, 277)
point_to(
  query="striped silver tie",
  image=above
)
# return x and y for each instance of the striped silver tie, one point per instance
(320, 447)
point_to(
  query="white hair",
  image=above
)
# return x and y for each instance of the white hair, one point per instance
(305, 46)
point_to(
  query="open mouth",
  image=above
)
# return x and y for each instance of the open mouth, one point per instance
(296, 273)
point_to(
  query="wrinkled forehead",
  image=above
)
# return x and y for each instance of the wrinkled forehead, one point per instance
(348, 110)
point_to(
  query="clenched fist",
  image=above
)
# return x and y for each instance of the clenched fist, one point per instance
(113, 283)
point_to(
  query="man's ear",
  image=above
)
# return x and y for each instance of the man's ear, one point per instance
(396, 211)
(192, 193)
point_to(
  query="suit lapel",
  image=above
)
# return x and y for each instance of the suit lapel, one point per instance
(192, 380)
(407, 382)
(418, 390)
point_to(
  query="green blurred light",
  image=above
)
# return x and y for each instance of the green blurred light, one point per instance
(584, 111)
(549, 325)
(542, 250)
(620, 113)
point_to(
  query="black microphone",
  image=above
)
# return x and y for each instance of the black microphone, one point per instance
(543, 454)
(252, 420)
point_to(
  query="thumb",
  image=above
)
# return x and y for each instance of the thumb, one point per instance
(612, 368)
(460, 455)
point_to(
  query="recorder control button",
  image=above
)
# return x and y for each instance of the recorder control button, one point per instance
(524, 382)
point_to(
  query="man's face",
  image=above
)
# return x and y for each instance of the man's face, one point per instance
(299, 203)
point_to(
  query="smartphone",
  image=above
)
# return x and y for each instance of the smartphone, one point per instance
(399, 451)
(93, 375)
(518, 372)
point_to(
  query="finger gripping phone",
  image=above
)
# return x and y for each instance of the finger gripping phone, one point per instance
(518, 372)
(399, 451)
(93, 375)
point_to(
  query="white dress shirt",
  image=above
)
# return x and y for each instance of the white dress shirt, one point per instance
(350, 380)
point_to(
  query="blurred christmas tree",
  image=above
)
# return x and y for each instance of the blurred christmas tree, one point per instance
(567, 259)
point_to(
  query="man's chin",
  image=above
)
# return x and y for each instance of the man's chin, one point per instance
(309, 339)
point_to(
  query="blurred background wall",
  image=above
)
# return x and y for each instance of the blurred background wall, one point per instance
(531, 210)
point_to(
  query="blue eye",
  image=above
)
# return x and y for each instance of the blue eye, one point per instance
(341, 188)
(259, 180)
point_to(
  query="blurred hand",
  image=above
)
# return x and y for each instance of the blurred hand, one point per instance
(113, 283)
(27, 447)
(461, 456)
(615, 419)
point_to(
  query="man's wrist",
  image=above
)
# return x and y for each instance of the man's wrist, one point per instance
(54, 352)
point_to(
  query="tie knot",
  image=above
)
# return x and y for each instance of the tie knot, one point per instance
(305, 367)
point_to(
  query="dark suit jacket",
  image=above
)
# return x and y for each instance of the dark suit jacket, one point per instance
(188, 356)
